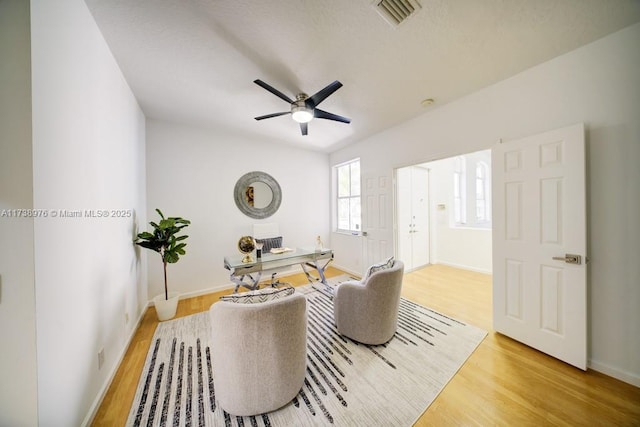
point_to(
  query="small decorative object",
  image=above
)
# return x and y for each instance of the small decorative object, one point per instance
(259, 246)
(169, 245)
(246, 245)
(319, 245)
(250, 195)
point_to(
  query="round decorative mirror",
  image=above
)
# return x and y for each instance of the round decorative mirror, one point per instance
(257, 195)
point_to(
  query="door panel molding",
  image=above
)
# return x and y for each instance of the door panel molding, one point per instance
(539, 206)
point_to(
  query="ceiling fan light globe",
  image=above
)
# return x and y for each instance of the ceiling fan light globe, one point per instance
(301, 114)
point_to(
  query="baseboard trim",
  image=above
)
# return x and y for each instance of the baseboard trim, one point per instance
(225, 286)
(464, 267)
(619, 374)
(348, 271)
(200, 292)
(93, 411)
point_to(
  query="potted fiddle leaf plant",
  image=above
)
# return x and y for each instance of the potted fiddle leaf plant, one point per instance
(165, 240)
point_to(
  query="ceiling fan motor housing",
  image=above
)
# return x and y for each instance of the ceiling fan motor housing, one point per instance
(299, 110)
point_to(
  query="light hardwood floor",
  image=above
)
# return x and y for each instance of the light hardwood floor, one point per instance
(503, 383)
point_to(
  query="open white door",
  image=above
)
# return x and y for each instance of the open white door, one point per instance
(539, 243)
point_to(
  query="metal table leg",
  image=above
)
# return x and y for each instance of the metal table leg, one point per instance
(251, 284)
(319, 268)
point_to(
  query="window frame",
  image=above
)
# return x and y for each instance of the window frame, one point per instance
(466, 170)
(484, 170)
(459, 183)
(353, 200)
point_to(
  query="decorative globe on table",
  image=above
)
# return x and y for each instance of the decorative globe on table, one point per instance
(246, 245)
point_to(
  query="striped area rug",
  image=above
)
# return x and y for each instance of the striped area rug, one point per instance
(347, 384)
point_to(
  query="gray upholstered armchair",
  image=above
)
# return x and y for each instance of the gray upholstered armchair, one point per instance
(258, 352)
(367, 312)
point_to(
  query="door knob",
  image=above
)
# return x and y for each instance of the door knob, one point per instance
(569, 258)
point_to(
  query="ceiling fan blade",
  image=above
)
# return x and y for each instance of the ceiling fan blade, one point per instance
(320, 96)
(303, 128)
(268, 116)
(321, 114)
(273, 90)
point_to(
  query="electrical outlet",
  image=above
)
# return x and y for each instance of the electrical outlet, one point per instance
(100, 358)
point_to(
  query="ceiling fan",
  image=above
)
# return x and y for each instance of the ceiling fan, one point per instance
(303, 109)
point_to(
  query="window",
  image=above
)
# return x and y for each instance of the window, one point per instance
(482, 208)
(459, 191)
(471, 175)
(348, 196)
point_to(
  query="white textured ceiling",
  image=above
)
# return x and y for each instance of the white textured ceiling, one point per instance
(194, 61)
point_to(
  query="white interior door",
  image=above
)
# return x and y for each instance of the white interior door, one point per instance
(539, 243)
(377, 220)
(420, 216)
(412, 216)
(403, 216)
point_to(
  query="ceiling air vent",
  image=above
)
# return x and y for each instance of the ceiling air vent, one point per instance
(395, 12)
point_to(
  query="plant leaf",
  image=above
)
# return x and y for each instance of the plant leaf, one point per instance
(149, 245)
(171, 257)
(145, 235)
(167, 223)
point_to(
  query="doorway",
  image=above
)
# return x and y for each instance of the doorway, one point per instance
(443, 213)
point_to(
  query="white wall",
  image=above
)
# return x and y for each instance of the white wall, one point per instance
(599, 85)
(18, 373)
(88, 154)
(191, 173)
(463, 247)
(348, 252)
